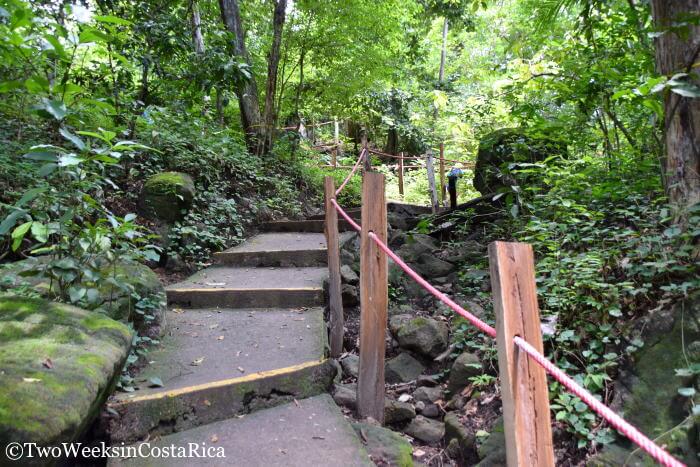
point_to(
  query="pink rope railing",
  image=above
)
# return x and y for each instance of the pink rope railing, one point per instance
(624, 427)
(363, 154)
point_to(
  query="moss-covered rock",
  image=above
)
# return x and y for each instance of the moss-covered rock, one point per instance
(647, 394)
(423, 335)
(58, 363)
(166, 196)
(506, 146)
(384, 446)
(116, 303)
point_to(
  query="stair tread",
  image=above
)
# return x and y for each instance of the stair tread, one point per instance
(251, 278)
(308, 432)
(205, 346)
(281, 241)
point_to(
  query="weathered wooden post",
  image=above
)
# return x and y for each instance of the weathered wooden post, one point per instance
(443, 189)
(431, 182)
(367, 163)
(526, 418)
(336, 141)
(335, 300)
(374, 298)
(401, 174)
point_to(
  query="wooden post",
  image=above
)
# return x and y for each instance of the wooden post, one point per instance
(443, 189)
(367, 163)
(401, 175)
(335, 299)
(374, 298)
(526, 418)
(336, 141)
(431, 182)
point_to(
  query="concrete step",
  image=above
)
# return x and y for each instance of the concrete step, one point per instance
(278, 249)
(215, 364)
(303, 226)
(355, 213)
(310, 432)
(248, 287)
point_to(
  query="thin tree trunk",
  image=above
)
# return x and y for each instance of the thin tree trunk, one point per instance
(197, 37)
(246, 91)
(678, 53)
(272, 66)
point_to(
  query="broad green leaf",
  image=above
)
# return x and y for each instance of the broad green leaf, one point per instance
(55, 108)
(40, 232)
(42, 156)
(112, 20)
(10, 221)
(77, 142)
(19, 233)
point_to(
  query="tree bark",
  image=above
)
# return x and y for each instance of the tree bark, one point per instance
(272, 66)
(677, 53)
(197, 37)
(246, 91)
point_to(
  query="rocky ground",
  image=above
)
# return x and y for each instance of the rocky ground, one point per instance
(442, 400)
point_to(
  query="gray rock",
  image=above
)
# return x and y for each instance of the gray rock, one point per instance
(427, 380)
(416, 245)
(431, 411)
(464, 367)
(350, 365)
(348, 276)
(425, 429)
(398, 412)
(493, 451)
(431, 266)
(453, 450)
(425, 336)
(350, 295)
(455, 430)
(385, 446)
(345, 395)
(420, 405)
(402, 368)
(428, 395)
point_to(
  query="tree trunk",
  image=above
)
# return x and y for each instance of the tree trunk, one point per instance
(246, 91)
(678, 53)
(392, 141)
(272, 65)
(197, 37)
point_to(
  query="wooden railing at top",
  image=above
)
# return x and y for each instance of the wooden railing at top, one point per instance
(336, 151)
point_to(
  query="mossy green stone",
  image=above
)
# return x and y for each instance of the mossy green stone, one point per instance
(167, 195)
(58, 364)
(385, 446)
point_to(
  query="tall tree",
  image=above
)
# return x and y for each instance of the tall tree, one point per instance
(246, 91)
(197, 37)
(678, 51)
(272, 66)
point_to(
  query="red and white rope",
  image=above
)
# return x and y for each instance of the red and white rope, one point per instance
(363, 153)
(624, 427)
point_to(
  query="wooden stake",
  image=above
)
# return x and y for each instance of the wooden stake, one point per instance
(431, 182)
(367, 163)
(401, 175)
(374, 298)
(335, 299)
(443, 190)
(526, 418)
(336, 142)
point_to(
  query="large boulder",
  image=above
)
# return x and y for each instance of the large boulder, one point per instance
(167, 196)
(140, 299)
(425, 429)
(492, 452)
(425, 336)
(58, 365)
(647, 394)
(384, 446)
(455, 430)
(507, 146)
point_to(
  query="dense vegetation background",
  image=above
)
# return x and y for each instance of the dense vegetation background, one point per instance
(97, 96)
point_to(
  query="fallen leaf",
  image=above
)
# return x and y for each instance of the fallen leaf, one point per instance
(197, 362)
(207, 403)
(241, 369)
(296, 402)
(155, 382)
(213, 326)
(405, 397)
(220, 338)
(418, 453)
(214, 438)
(48, 363)
(178, 310)
(215, 284)
(31, 380)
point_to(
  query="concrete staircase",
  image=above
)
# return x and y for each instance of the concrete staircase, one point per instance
(243, 363)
